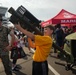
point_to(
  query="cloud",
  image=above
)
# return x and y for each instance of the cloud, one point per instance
(42, 9)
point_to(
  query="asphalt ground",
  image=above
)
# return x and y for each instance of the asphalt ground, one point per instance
(26, 64)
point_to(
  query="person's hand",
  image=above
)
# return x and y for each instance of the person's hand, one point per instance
(17, 24)
(8, 48)
(40, 23)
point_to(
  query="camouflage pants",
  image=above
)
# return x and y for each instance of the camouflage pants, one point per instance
(6, 64)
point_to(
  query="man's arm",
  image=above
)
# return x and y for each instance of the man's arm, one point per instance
(31, 43)
(29, 34)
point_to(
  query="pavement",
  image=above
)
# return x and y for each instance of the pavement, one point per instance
(26, 64)
(23, 62)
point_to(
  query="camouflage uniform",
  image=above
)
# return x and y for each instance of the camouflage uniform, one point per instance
(4, 55)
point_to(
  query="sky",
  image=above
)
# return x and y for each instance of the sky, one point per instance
(42, 9)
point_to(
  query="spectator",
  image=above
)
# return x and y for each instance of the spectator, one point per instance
(15, 67)
(59, 37)
(59, 33)
(5, 47)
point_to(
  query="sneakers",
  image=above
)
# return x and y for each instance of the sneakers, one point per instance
(16, 68)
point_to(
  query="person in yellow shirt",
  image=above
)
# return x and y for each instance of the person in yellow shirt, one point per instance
(43, 46)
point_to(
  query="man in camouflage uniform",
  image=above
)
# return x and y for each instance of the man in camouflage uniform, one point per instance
(5, 47)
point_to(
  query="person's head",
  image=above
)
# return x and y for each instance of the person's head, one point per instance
(58, 25)
(48, 30)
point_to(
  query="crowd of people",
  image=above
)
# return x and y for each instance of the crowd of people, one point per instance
(41, 43)
(59, 37)
(10, 40)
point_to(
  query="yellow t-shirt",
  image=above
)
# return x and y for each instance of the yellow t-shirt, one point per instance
(43, 46)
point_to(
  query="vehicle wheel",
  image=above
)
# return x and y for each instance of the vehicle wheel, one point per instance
(67, 67)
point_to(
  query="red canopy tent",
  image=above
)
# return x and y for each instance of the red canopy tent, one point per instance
(63, 17)
(43, 24)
